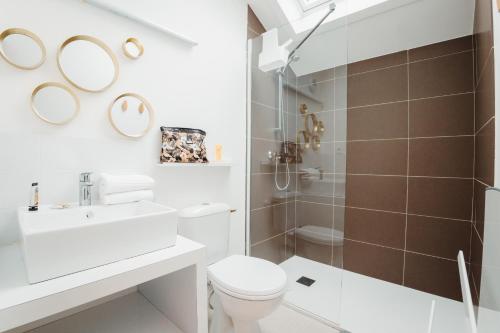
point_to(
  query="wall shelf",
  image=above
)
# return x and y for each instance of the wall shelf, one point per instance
(219, 164)
(118, 11)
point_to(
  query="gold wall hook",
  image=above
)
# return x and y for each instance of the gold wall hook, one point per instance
(142, 108)
(124, 106)
(134, 41)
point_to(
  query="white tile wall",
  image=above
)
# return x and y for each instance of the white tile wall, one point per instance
(202, 87)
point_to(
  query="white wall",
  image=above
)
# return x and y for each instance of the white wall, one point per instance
(389, 26)
(202, 87)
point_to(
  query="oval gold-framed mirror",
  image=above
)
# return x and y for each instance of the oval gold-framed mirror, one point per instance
(22, 48)
(55, 103)
(133, 48)
(131, 115)
(311, 131)
(87, 63)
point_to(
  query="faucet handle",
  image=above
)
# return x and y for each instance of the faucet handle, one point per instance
(85, 177)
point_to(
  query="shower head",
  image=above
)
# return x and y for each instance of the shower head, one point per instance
(332, 6)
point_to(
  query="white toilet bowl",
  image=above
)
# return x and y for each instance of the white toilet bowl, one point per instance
(246, 290)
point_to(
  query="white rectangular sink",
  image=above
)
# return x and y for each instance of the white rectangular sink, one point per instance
(57, 242)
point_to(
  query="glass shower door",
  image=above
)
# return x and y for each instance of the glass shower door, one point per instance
(301, 226)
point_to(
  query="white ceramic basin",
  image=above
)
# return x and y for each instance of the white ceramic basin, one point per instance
(59, 242)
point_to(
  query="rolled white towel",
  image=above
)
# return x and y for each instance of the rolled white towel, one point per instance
(125, 197)
(110, 184)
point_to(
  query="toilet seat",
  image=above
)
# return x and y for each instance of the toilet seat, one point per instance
(248, 278)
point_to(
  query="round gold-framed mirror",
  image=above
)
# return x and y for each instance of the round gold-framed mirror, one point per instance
(133, 48)
(87, 63)
(55, 103)
(131, 115)
(22, 48)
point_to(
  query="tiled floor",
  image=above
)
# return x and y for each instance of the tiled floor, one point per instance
(287, 320)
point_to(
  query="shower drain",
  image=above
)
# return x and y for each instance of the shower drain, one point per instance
(306, 281)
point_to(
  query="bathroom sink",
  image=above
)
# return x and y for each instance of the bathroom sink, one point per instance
(57, 242)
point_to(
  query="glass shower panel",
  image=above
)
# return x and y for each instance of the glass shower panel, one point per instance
(271, 217)
(301, 227)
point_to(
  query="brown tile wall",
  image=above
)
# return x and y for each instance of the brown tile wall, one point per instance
(419, 154)
(484, 88)
(410, 165)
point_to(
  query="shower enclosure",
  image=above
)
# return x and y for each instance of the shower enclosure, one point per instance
(380, 135)
(297, 161)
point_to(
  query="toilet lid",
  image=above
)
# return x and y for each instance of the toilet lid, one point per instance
(248, 276)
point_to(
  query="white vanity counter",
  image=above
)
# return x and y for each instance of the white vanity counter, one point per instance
(172, 279)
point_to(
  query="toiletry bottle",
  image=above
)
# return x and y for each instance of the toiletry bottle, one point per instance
(33, 207)
(218, 152)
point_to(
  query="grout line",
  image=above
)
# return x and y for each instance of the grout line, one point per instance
(407, 165)
(411, 138)
(410, 99)
(271, 238)
(441, 56)
(473, 154)
(386, 211)
(409, 214)
(373, 70)
(482, 183)
(485, 124)
(478, 236)
(401, 250)
(265, 207)
(483, 69)
(407, 63)
(382, 139)
(474, 283)
(403, 175)
(335, 116)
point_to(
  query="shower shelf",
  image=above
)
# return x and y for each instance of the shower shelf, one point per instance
(220, 164)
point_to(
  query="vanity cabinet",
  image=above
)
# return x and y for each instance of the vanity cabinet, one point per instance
(159, 292)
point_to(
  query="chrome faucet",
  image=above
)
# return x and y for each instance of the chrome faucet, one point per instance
(85, 198)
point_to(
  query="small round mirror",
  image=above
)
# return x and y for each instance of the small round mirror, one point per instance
(22, 48)
(87, 63)
(133, 48)
(131, 115)
(54, 103)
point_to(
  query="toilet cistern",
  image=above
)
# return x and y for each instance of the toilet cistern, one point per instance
(85, 197)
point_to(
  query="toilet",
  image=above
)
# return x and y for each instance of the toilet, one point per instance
(246, 289)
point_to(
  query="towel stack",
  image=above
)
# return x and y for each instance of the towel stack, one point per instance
(116, 189)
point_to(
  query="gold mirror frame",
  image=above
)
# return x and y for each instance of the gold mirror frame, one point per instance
(27, 33)
(58, 85)
(314, 124)
(100, 44)
(307, 140)
(148, 107)
(137, 44)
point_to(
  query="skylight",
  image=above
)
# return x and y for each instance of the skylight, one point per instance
(310, 4)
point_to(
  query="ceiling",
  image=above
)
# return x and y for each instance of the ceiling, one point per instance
(363, 29)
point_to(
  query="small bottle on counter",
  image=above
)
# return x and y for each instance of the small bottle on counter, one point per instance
(34, 199)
